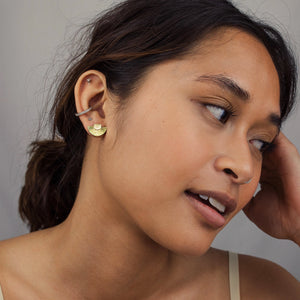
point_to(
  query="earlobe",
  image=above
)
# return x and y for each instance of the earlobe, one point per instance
(90, 94)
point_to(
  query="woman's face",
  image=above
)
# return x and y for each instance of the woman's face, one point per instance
(195, 126)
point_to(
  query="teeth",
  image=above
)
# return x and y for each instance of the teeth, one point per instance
(220, 207)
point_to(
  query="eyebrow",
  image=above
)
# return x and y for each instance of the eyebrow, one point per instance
(275, 120)
(230, 85)
(226, 83)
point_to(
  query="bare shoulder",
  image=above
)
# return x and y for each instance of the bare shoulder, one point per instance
(18, 259)
(7, 250)
(11, 246)
(11, 255)
(8, 258)
(263, 279)
(15, 253)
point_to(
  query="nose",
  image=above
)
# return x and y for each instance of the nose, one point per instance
(236, 162)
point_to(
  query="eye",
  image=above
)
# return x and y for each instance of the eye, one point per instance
(261, 145)
(220, 113)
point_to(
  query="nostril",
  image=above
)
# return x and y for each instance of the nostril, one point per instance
(230, 172)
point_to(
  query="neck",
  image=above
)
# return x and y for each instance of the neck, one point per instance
(102, 257)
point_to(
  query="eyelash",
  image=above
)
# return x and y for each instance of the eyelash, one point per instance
(265, 146)
(229, 112)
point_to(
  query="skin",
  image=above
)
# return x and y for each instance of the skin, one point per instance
(133, 233)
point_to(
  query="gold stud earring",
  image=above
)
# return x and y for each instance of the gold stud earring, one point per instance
(97, 130)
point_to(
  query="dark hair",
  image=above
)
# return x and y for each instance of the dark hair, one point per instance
(123, 44)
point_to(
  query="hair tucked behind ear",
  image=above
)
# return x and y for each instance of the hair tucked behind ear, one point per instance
(124, 44)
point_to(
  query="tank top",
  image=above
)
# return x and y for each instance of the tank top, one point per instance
(234, 277)
(234, 280)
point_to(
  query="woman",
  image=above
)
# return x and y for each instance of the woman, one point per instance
(163, 128)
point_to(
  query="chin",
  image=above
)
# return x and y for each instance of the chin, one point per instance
(197, 250)
(193, 243)
(192, 249)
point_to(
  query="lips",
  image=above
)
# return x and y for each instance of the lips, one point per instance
(221, 202)
(212, 206)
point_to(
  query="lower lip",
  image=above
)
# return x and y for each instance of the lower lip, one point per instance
(212, 217)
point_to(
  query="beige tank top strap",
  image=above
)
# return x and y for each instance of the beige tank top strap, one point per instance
(234, 277)
(1, 295)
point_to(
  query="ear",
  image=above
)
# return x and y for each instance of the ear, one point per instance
(91, 92)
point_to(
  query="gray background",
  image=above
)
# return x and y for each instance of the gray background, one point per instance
(32, 32)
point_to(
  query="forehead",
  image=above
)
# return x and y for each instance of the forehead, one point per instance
(225, 54)
(237, 55)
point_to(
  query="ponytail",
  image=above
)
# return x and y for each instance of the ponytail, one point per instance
(51, 184)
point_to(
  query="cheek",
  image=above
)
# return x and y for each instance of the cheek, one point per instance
(154, 156)
(152, 161)
(162, 144)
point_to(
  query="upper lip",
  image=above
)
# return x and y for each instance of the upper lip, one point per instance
(224, 198)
